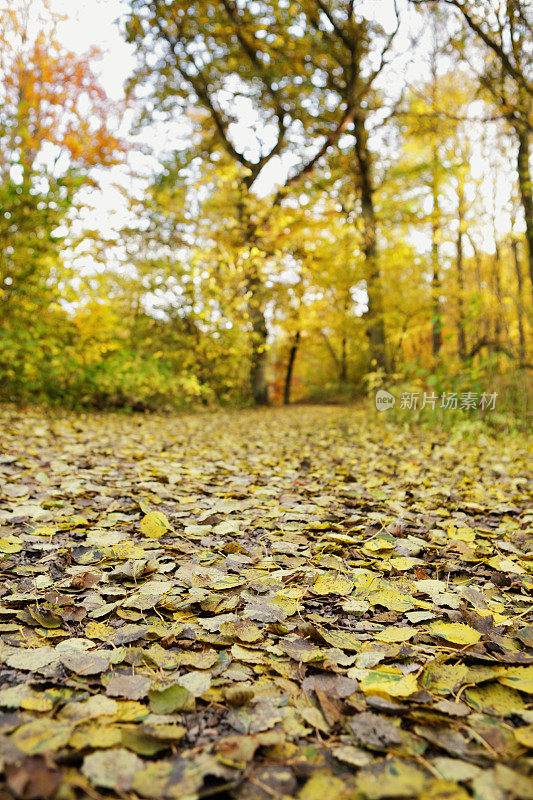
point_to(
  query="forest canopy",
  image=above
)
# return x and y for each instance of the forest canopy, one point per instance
(338, 197)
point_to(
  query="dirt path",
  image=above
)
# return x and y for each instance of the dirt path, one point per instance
(285, 603)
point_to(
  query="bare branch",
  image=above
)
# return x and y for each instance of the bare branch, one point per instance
(489, 41)
(341, 34)
(387, 46)
(331, 139)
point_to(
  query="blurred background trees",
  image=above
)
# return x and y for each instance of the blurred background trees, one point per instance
(341, 200)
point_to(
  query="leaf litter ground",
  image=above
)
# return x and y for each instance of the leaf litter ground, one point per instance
(284, 603)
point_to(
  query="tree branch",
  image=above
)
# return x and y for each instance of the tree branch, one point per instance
(491, 43)
(200, 87)
(331, 139)
(341, 34)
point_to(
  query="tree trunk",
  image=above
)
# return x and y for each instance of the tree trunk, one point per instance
(497, 286)
(330, 349)
(343, 374)
(519, 303)
(343, 369)
(526, 191)
(290, 367)
(256, 310)
(461, 335)
(436, 322)
(479, 286)
(259, 359)
(376, 326)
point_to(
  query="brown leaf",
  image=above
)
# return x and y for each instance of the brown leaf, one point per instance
(85, 580)
(330, 707)
(132, 687)
(33, 779)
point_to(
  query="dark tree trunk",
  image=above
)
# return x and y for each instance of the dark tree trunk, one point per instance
(436, 322)
(331, 351)
(519, 303)
(496, 277)
(290, 368)
(259, 359)
(343, 373)
(461, 335)
(256, 311)
(343, 366)
(376, 325)
(259, 367)
(526, 191)
(479, 286)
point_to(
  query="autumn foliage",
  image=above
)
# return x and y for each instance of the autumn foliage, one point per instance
(324, 221)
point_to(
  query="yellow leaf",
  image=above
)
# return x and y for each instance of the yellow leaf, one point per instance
(443, 679)
(95, 735)
(344, 640)
(42, 736)
(455, 632)
(98, 630)
(44, 530)
(388, 680)
(403, 563)
(154, 525)
(37, 702)
(323, 785)
(395, 635)
(378, 545)
(332, 583)
(392, 600)
(524, 735)
(461, 534)
(520, 678)
(492, 698)
(505, 565)
(72, 521)
(11, 545)
(390, 777)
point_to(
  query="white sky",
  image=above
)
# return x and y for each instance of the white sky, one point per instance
(92, 23)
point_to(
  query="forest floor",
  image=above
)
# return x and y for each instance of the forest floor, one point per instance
(304, 603)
